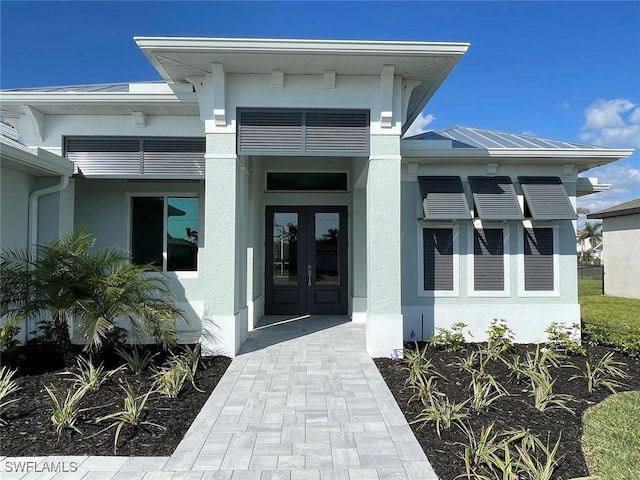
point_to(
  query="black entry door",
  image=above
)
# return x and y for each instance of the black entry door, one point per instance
(306, 261)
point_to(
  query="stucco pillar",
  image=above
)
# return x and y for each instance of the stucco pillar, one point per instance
(221, 322)
(384, 317)
(359, 275)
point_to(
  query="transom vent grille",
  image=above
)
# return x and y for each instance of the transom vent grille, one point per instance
(292, 132)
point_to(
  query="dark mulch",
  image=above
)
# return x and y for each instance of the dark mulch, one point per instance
(29, 431)
(514, 411)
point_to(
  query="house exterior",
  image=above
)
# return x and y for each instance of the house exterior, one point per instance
(620, 240)
(271, 177)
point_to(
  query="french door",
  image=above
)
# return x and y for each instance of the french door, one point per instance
(306, 260)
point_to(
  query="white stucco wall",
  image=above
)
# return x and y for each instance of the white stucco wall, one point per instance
(528, 315)
(59, 126)
(104, 207)
(15, 188)
(621, 239)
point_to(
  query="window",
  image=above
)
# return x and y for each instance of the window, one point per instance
(307, 181)
(438, 274)
(539, 260)
(164, 232)
(489, 266)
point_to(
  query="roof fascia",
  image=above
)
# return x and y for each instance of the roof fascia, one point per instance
(299, 46)
(515, 153)
(43, 160)
(617, 213)
(49, 98)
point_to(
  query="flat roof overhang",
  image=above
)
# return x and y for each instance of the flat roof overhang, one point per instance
(180, 58)
(584, 159)
(38, 163)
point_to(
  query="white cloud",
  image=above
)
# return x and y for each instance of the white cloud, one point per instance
(625, 186)
(612, 123)
(566, 105)
(419, 125)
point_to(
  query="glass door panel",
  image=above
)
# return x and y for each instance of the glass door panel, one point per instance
(285, 248)
(327, 229)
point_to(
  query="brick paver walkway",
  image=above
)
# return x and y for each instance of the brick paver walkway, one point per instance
(303, 400)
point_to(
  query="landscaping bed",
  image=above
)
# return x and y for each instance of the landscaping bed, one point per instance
(508, 412)
(29, 430)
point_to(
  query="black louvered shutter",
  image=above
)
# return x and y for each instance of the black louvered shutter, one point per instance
(495, 198)
(488, 259)
(438, 259)
(443, 198)
(538, 259)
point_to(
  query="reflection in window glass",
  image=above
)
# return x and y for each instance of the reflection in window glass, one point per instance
(146, 230)
(285, 247)
(182, 234)
(327, 226)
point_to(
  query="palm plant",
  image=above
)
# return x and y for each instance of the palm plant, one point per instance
(593, 233)
(67, 280)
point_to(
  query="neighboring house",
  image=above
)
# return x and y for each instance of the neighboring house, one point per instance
(286, 159)
(620, 239)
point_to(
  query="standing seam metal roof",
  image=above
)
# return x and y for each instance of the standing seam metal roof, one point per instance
(468, 137)
(94, 88)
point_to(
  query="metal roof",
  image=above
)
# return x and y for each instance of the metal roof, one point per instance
(628, 208)
(468, 137)
(98, 87)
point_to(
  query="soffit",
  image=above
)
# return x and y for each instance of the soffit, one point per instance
(178, 59)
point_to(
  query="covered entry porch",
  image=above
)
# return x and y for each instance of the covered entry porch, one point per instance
(299, 249)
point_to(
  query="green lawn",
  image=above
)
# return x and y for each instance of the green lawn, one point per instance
(611, 439)
(616, 313)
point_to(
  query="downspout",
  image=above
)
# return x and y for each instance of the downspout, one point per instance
(34, 197)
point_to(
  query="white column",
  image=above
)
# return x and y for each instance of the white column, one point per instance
(221, 325)
(384, 320)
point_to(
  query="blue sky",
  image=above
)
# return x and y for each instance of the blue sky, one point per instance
(566, 70)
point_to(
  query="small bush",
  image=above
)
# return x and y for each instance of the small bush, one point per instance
(499, 337)
(565, 339)
(451, 340)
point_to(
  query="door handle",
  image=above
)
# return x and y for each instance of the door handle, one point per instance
(308, 275)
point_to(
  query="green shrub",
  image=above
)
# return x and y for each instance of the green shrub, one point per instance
(564, 338)
(451, 340)
(499, 337)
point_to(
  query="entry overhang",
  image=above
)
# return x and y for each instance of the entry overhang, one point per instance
(180, 58)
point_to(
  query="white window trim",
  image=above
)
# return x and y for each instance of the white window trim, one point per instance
(456, 260)
(481, 225)
(180, 274)
(526, 224)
